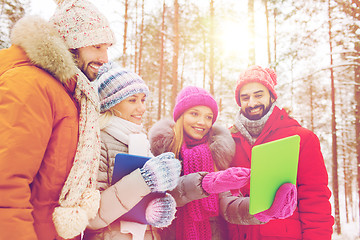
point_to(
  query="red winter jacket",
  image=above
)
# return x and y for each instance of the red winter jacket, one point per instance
(312, 218)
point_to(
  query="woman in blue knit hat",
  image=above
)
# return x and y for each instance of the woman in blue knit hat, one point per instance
(122, 96)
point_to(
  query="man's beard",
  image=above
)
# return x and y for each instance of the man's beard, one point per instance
(86, 69)
(82, 66)
(247, 111)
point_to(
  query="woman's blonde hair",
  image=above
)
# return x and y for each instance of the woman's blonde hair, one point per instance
(178, 139)
(105, 117)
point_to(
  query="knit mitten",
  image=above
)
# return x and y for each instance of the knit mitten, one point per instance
(162, 173)
(284, 204)
(229, 179)
(160, 212)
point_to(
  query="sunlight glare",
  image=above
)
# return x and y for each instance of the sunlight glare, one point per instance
(233, 38)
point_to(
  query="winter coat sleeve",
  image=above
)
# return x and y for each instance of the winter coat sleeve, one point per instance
(189, 189)
(105, 168)
(117, 199)
(222, 146)
(313, 193)
(235, 209)
(25, 129)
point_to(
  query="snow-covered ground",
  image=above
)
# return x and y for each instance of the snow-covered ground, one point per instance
(349, 231)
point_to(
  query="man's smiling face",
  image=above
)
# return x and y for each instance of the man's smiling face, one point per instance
(255, 100)
(90, 58)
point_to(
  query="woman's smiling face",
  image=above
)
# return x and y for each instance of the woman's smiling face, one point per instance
(198, 121)
(132, 108)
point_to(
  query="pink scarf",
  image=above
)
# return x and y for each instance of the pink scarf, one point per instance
(193, 218)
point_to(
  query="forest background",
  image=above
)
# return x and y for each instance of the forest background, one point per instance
(314, 46)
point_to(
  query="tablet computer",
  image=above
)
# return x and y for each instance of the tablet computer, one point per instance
(272, 164)
(125, 164)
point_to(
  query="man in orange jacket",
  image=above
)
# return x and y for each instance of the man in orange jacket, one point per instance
(49, 135)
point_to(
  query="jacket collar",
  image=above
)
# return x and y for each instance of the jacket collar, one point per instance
(278, 119)
(44, 47)
(221, 144)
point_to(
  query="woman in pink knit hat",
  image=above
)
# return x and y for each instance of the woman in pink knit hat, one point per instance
(205, 150)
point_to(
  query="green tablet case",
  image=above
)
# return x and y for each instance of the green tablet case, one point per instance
(272, 164)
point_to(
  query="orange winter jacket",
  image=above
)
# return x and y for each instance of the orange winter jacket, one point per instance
(38, 132)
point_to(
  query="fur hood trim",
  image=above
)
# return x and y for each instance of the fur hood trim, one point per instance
(221, 143)
(44, 46)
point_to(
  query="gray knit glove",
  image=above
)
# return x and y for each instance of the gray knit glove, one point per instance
(160, 212)
(162, 173)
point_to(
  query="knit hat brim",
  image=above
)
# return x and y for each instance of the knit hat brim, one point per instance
(91, 38)
(81, 24)
(265, 76)
(193, 96)
(115, 84)
(121, 95)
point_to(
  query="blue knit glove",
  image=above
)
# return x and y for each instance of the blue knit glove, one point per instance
(160, 212)
(162, 173)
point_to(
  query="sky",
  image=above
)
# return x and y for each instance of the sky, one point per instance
(113, 10)
(44, 8)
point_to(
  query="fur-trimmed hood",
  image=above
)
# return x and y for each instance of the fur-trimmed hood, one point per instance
(221, 143)
(44, 47)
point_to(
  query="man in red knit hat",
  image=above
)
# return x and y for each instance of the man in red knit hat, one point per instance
(259, 121)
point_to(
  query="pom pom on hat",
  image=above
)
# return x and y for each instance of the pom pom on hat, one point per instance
(90, 202)
(115, 84)
(81, 24)
(192, 96)
(265, 76)
(71, 221)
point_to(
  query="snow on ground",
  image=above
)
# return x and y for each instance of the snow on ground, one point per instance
(349, 231)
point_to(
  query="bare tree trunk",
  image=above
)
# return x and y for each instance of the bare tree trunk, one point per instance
(251, 29)
(162, 33)
(347, 183)
(136, 38)
(267, 31)
(126, 18)
(275, 36)
(204, 60)
(182, 69)
(357, 114)
(141, 37)
(355, 29)
(346, 154)
(176, 54)
(212, 45)
(335, 179)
